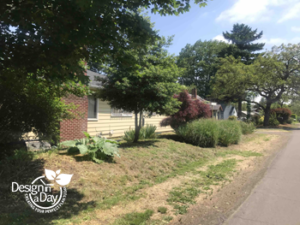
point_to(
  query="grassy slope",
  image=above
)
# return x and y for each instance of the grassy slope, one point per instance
(100, 187)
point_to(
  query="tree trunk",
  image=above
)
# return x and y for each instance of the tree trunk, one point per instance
(141, 120)
(138, 126)
(136, 130)
(267, 114)
(240, 109)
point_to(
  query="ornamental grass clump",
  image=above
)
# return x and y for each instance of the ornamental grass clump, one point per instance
(230, 132)
(147, 132)
(247, 128)
(203, 132)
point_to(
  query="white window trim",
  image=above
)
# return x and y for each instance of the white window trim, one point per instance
(97, 110)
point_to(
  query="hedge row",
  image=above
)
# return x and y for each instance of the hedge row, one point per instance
(209, 133)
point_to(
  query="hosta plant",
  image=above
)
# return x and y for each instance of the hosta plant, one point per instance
(98, 149)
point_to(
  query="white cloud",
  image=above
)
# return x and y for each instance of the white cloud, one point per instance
(220, 38)
(292, 13)
(273, 41)
(253, 11)
(295, 29)
(268, 41)
(278, 41)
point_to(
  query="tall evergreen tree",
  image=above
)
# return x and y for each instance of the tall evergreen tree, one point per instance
(241, 38)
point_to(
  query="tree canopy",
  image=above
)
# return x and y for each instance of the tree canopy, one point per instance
(270, 76)
(43, 43)
(54, 36)
(190, 109)
(243, 37)
(200, 62)
(148, 85)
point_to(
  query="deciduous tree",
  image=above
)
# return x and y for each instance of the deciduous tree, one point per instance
(147, 85)
(200, 62)
(45, 40)
(190, 109)
(270, 76)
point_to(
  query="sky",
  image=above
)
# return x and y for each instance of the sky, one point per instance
(278, 19)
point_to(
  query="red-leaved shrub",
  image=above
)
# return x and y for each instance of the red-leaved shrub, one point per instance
(282, 114)
(189, 110)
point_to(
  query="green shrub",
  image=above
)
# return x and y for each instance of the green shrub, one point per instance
(129, 135)
(73, 150)
(147, 132)
(289, 121)
(294, 116)
(282, 114)
(232, 118)
(98, 149)
(247, 128)
(230, 132)
(273, 120)
(203, 132)
(255, 119)
(261, 120)
(21, 155)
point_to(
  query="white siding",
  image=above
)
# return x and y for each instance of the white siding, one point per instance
(106, 123)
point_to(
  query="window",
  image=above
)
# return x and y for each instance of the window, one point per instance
(92, 110)
(120, 113)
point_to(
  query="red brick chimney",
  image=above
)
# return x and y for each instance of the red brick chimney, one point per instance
(194, 93)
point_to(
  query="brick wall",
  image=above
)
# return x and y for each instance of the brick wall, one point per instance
(72, 129)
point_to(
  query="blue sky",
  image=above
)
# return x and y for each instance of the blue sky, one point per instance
(278, 19)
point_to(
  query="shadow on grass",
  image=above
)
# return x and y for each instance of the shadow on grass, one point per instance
(142, 144)
(171, 136)
(80, 158)
(13, 207)
(289, 128)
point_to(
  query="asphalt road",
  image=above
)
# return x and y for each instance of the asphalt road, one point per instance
(276, 198)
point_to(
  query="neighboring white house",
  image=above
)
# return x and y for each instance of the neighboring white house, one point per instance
(228, 110)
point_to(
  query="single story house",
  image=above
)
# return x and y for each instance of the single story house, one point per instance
(100, 119)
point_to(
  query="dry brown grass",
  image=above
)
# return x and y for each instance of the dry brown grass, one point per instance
(141, 179)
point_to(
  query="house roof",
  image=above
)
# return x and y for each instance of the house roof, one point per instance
(215, 107)
(94, 83)
(212, 107)
(199, 98)
(225, 105)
